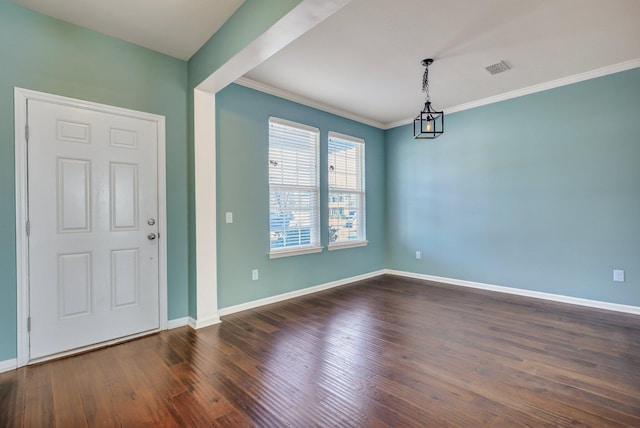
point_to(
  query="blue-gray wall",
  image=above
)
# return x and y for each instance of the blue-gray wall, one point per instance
(540, 192)
(243, 188)
(45, 54)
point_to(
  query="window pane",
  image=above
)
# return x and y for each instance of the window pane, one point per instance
(345, 164)
(344, 222)
(292, 218)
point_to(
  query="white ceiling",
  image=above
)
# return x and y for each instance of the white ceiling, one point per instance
(365, 59)
(174, 27)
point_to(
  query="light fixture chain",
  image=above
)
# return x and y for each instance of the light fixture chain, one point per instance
(425, 82)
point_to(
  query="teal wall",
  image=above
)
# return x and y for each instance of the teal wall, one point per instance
(252, 19)
(243, 188)
(540, 192)
(48, 55)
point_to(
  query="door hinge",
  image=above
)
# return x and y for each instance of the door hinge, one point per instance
(26, 132)
(29, 324)
(28, 228)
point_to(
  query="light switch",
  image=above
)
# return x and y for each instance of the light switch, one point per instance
(229, 217)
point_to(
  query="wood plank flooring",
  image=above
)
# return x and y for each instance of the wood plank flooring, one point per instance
(387, 351)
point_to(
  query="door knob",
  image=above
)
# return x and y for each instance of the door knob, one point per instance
(151, 236)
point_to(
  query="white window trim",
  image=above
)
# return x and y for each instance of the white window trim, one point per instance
(309, 249)
(363, 219)
(346, 137)
(345, 245)
(292, 124)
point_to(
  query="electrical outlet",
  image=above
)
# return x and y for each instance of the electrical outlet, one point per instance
(618, 275)
(229, 217)
(418, 255)
(255, 275)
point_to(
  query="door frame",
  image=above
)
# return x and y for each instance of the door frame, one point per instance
(21, 96)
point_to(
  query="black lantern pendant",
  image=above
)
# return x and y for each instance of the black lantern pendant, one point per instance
(428, 124)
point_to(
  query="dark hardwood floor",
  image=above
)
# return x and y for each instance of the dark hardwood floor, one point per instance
(383, 352)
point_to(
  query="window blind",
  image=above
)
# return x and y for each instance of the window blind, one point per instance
(293, 186)
(347, 214)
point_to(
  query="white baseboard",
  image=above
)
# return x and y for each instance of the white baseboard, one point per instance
(8, 365)
(521, 292)
(297, 293)
(196, 324)
(178, 322)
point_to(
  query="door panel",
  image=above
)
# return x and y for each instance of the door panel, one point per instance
(93, 274)
(124, 196)
(74, 195)
(125, 280)
(74, 285)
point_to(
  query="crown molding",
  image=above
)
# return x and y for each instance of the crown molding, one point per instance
(290, 96)
(599, 72)
(580, 77)
(401, 122)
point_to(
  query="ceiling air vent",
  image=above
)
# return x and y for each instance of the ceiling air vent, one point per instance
(498, 68)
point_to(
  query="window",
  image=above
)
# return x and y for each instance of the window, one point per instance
(346, 191)
(294, 190)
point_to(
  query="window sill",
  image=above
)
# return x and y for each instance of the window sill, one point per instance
(345, 245)
(295, 252)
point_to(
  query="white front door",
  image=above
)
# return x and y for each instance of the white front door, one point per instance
(93, 211)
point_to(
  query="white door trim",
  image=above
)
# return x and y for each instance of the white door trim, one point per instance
(22, 255)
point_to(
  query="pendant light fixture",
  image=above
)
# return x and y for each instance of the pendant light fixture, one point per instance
(428, 124)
